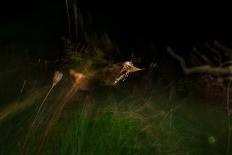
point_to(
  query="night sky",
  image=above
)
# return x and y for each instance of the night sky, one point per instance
(129, 24)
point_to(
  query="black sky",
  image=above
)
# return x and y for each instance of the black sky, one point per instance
(142, 21)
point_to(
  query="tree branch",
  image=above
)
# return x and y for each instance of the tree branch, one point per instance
(200, 69)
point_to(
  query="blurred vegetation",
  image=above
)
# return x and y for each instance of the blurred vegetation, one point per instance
(157, 112)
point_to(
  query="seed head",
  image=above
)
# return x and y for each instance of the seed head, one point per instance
(57, 77)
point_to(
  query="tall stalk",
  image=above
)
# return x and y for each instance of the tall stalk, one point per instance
(76, 19)
(228, 119)
(68, 18)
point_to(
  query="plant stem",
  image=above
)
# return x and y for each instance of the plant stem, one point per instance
(76, 20)
(21, 90)
(228, 119)
(68, 18)
(41, 105)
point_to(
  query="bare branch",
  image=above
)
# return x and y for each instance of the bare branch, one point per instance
(200, 69)
(221, 47)
(203, 57)
(215, 51)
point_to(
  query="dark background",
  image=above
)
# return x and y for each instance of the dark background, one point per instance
(133, 25)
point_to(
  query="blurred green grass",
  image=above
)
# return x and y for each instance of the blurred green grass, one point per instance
(116, 121)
